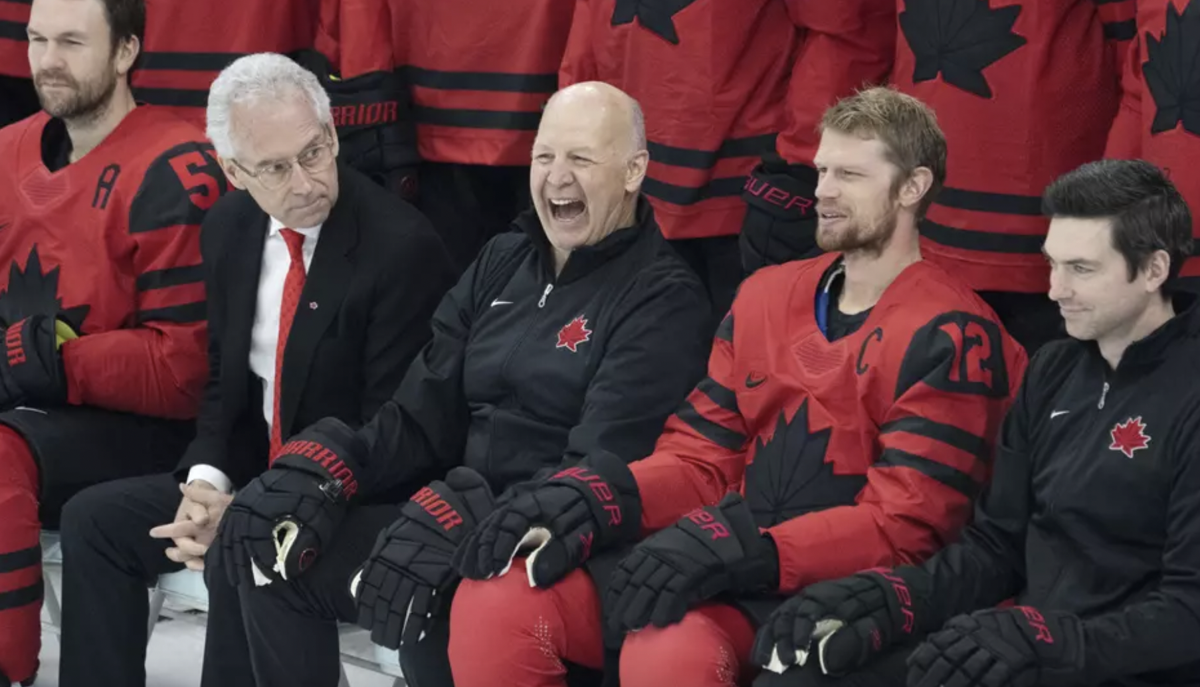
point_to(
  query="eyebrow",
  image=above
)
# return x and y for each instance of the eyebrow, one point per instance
(1074, 261)
(314, 141)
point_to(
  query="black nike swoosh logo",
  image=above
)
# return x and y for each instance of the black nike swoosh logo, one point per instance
(752, 382)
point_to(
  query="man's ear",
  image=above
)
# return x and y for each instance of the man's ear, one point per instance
(127, 52)
(233, 173)
(916, 187)
(635, 171)
(1157, 268)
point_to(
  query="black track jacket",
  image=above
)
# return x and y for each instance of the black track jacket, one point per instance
(527, 371)
(1094, 507)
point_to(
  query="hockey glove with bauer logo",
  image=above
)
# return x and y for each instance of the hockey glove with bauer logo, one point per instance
(32, 371)
(565, 518)
(404, 585)
(279, 524)
(851, 619)
(1010, 647)
(373, 114)
(708, 551)
(781, 214)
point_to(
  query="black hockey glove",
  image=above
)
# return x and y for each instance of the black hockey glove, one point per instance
(277, 526)
(32, 371)
(781, 214)
(1008, 647)
(851, 619)
(373, 113)
(708, 551)
(403, 587)
(568, 516)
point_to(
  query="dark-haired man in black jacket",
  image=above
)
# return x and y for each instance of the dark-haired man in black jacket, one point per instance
(1092, 519)
(576, 336)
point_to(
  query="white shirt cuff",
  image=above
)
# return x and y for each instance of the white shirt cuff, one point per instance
(211, 475)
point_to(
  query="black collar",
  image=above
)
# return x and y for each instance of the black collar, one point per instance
(56, 145)
(588, 259)
(1151, 349)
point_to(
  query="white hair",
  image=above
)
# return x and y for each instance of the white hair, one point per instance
(255, 78)
(638, 124)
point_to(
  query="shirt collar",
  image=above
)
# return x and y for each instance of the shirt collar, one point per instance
(308, 232)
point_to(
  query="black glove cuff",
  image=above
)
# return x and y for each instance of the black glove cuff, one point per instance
(905, 589)
(611, 492)
(730, 531)
(33, 360)
(781, 190)
(327, 450)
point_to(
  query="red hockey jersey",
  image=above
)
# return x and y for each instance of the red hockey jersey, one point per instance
(112, 244)
(189, 43)
(1154, 123)
(719, 80)
(14, 44)
(1025, 90)
(480, 71)
(861, 452)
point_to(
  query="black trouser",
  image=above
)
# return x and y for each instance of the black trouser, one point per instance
(18, 99)
(886, 670)
(109, 560)
(469, 204)
(282, 634)
(718, 263)
(1031, 318)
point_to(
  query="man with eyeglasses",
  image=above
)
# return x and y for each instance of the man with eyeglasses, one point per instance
(321, 285)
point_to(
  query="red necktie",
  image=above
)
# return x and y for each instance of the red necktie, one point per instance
(293, 286)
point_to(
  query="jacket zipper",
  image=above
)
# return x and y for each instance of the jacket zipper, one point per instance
(1103, 395)
(545, 294)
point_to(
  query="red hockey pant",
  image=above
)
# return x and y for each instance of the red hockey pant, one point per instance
(20, 559)
(505, 633)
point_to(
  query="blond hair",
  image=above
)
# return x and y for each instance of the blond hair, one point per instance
(907, 128)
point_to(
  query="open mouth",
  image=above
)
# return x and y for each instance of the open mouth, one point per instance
(566, 210)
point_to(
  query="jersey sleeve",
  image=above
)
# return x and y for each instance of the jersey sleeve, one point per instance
(846, 45)
(701, 454)
(157, 365)
(579, 62)
(954, 384)
(1158, 632)
(1125, 137)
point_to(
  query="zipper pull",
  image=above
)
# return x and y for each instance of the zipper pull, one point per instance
(550, 287)
(1103, 395)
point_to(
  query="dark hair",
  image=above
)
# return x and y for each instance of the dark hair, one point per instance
(1148, 214)
(126, 19)
(907, 127)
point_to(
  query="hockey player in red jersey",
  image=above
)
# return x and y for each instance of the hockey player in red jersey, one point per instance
(1025, 91)
(1153, 123)
(101, 297)
(846, 422)
(724, 83)
(479, 73)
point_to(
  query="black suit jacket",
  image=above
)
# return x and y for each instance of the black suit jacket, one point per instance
(378, 273)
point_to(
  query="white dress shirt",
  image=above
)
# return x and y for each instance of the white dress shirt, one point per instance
(264, 336)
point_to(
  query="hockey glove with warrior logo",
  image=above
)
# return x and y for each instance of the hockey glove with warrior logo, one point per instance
(1010, 647)
(32, 371)
(781, 214)
(708, 551)
(277, 526)
(565, 518)
(851, 619)
(373, 114)
(404, 585)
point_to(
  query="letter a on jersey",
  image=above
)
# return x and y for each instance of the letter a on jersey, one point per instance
(574, 333)
(1129, 436)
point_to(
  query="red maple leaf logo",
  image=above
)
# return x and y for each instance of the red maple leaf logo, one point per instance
(575, 333)
(1129, 436)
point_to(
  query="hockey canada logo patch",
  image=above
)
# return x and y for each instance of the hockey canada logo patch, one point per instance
(574, 333)
(1129, 436)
